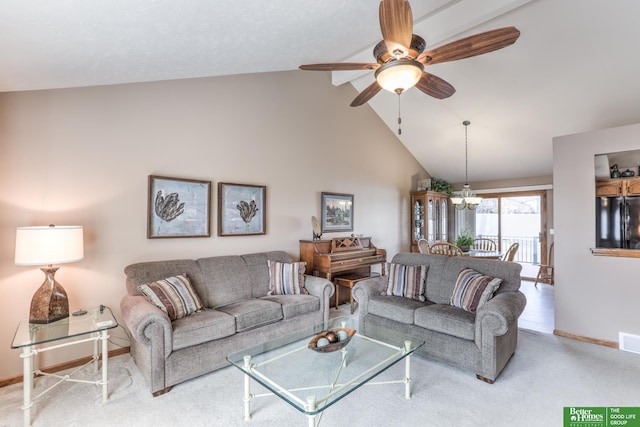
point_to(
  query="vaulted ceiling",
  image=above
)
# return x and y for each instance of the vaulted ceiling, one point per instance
(573, 69)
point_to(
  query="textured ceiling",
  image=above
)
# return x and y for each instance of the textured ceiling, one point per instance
(572, 70)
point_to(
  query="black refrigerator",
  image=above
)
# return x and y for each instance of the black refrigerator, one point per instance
(618, 222)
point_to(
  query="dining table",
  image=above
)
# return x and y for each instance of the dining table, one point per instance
(478, 253)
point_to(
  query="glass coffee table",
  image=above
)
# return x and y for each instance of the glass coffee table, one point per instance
(311, 376)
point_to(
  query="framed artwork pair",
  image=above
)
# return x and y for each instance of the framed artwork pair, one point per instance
(180, 207)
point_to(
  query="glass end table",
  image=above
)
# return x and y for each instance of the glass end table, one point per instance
(34, 338)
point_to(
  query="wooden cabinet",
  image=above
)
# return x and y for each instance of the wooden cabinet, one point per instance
(429, 217)
(609, 188)
(631, 187)
(618, 187)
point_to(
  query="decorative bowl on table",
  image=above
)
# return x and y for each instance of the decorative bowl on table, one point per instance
(331, 340)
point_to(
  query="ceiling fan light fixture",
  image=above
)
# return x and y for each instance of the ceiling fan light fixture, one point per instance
(400, 56)
(398, 76)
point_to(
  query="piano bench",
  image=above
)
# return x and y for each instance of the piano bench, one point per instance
(349, 281)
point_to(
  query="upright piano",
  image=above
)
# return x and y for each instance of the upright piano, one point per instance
(341, 255)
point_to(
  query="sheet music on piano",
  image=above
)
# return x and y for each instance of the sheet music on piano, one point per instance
(341, 255)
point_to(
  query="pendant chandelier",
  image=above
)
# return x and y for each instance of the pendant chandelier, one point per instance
(466, 198)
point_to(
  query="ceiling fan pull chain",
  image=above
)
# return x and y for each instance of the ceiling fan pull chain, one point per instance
(399, 118)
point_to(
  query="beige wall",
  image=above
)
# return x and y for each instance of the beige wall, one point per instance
(595, 296)
(82, 156)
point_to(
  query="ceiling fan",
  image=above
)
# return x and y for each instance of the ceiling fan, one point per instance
(401, 60)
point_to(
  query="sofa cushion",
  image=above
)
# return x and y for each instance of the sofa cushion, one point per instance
(146, 272)
(259, 273)
(509, 272)
(173, 295)
(447, 319)
(295, 305)
(406, 281)
(435, 289)
(252, 313)
(207, 325)
(227, 279)
(399, 309)
(286, 278)
(473, 289)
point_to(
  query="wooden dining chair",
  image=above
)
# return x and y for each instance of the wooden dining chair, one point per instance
(484, 244)
(545, 272)
(511, 252)
(444, 248)
(423, 246)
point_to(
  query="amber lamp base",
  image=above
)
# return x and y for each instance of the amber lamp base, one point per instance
(50, 302)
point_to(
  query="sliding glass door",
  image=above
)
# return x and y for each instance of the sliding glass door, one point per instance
(510, 218)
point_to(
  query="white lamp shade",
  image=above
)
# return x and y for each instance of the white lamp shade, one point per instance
(473, 200)
(399, 75)
(48, 245)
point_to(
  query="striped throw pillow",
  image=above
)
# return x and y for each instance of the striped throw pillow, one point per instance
(173, 295)
(286, 278)
(473, 289)
(407, 281)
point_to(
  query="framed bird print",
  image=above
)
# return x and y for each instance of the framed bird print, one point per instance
(241, 209)
(178, 207)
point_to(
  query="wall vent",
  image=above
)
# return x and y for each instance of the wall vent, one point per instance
(629, 342)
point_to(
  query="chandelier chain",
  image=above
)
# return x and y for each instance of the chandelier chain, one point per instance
(466, 198)
(466, 157)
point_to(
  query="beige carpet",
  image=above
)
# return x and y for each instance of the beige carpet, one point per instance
(546, 374)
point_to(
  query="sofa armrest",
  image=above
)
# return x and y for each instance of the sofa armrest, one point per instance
(139, 316)
(364, 289)
(497, 315)
(321, 288)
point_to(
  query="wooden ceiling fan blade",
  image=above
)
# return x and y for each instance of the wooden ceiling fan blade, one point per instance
(471, 46)
(366, 94)
(435, 86)
(396, 23)
(340, 66)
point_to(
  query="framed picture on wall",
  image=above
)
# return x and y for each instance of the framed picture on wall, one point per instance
(337, 212)
(242, 209)
(178, 207)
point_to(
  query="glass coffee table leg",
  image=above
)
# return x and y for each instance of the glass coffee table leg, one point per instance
(407, 371)
(311, 406)
(247, 390)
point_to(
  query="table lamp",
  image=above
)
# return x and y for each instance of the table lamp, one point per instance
(47, 246)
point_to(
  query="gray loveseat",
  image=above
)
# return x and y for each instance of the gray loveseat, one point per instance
(481, 343)
(238, 313)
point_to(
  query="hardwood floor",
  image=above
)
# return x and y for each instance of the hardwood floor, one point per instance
(539, 314)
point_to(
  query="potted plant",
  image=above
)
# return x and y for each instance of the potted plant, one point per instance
(464, 240)
(441, 186)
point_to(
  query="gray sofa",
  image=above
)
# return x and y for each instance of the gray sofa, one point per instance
(238, 313)
(481, 343)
